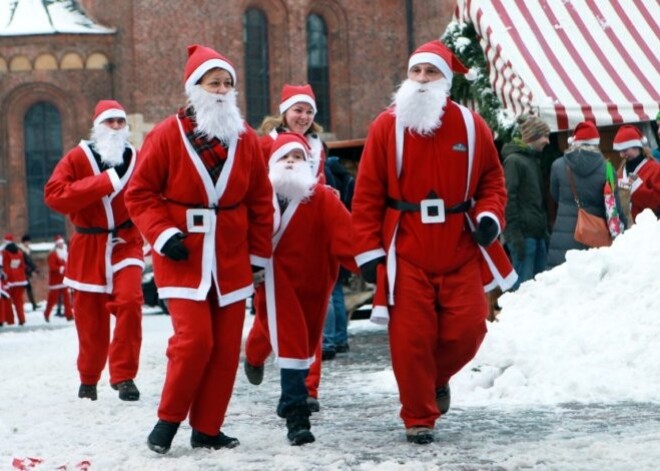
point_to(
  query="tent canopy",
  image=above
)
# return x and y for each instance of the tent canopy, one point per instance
(571, 60)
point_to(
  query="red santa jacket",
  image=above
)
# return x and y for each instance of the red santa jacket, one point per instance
(14, 267)
(645, 190)
(312, 239)
(458, 163)
(94, 199)
(55, 271)
(228, 224)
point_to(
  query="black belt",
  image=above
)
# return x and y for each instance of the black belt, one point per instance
(102, 230)
(406, 206)
(213, 207)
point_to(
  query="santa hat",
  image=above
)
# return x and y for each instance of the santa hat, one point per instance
(201, 59)
(106, 109)
(628, 136)
(585, 133)
(59, 239)
(9, 237)
(287, 142)
(292, 94)
(439, 55)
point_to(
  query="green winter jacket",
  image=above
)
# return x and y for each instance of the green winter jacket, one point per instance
(526, 214)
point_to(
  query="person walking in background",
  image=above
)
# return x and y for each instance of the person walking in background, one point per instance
(297, 111)
(30, 268)
(638, 175)
(526, 232)
(427, 211)
(56, 287)
(312, 236)
(13, 262)
(104, 266)
(202, 199)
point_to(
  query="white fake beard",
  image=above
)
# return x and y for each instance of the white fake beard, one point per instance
(420, 106)
(62, 253)
(293, 184)
(216, 115)
(110, 143)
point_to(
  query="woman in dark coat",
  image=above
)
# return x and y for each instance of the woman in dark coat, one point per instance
(587, 165)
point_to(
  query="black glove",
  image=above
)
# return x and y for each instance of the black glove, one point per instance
(486, 233)
(369, 269)
(174, 248)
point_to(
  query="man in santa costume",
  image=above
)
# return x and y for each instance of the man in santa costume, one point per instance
(104, 266)
(638, 175)
(56, 287)
(427, 211)
(202, 199)
(13, 262)
(312, 236)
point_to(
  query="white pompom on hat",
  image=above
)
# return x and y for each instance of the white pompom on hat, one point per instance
(201, 59)
(287, 142)
(439, 55)
(292, 94)
(585, 133)
(628, 136)
(106, 109)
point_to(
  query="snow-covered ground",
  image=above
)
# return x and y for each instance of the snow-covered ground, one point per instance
(568, 378)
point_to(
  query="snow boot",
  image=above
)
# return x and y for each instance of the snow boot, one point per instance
(297, 423)
(128, 391)
(215, 442)
(255, 374)
(87, 391)
(313, 404)
(443, 399)
(419, 435)
(160, 438)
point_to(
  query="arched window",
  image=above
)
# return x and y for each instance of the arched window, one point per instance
(43, 149)
(257, 80)
(317, 67)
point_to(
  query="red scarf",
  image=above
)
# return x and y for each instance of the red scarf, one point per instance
(213, 152)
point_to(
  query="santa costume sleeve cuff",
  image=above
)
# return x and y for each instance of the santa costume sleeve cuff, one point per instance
(164, 237)
(368, 256)
(480, 216)
(258, 261)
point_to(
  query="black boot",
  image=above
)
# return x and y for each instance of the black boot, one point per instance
(255, 374)
(297, 423)
(160, 438)
(87, 391)
(128, 391)
(215, 442)
(443, 398)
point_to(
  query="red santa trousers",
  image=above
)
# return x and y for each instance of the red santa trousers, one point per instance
(17, 294)
(203, 358)
(436, 326)
(6, 313)
(53, 296)
(92, 319)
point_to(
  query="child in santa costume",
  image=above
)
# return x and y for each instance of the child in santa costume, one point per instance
(428, 207)
(56, 287)
(312, 237)
(638, 175)
(105, 256)
(202, 199)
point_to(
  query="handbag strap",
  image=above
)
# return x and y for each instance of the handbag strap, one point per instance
(571, 183)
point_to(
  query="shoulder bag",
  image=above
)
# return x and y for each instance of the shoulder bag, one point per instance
(590, 230)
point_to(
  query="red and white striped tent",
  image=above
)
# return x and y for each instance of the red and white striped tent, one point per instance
(571, 60)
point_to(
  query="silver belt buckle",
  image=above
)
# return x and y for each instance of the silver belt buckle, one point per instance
(198, 220)
(433, 211)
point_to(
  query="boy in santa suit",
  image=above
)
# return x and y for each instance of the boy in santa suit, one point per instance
(105, 255)
(638, 175)
(13, 261)
(56, 287)
(428, 207)
(312, 236)
(202, 199)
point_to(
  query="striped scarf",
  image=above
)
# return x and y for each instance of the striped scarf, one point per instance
(213, 152)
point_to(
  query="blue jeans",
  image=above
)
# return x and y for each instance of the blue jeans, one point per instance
(532, 262)
(335, 329)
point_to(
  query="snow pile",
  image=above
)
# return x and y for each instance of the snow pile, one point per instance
(586, 331)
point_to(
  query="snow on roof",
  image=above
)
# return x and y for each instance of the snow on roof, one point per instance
(33, 17)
